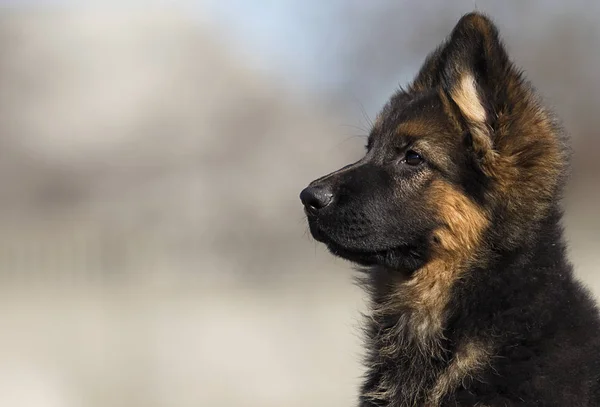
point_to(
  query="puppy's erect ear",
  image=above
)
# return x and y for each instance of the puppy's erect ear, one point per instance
(473, 72)
(472, 48)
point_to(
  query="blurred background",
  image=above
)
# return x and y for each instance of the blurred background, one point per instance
(153, 249)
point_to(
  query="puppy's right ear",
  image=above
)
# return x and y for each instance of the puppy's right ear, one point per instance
(473, 46)
(472, 70)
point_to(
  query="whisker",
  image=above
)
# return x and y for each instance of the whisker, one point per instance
(346, 139)
(366, 131)
(365, 115)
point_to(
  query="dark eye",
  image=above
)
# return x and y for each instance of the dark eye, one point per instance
(412, 158)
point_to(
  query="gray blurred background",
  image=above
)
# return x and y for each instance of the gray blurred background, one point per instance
(153, 250)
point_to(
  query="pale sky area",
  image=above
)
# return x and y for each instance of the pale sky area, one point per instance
(301, 41)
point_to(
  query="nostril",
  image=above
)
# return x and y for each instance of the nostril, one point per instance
(320, 200)
(315, 198)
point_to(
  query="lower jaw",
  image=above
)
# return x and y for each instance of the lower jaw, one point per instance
(402, 259)
(363, 258)
(405, 258)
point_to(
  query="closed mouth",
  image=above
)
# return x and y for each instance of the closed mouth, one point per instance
(407, 257)
(362, 256)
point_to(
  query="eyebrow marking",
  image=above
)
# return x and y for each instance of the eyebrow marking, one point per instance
(414, 128)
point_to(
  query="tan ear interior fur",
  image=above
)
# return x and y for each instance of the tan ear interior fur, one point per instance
(466, 96)
(467, 99)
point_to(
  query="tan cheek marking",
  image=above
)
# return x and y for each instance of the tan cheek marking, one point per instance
(464, 222)
(427, 293)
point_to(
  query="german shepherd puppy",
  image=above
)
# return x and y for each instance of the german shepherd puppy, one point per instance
(454, 216)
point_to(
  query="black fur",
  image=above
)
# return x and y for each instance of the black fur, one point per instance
(511, 293)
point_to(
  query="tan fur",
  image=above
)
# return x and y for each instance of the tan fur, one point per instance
(466, 97)
(427, 293)
(378, 123)
(385, 389)
(429, 289)
(502, 154)
(530, 164)
(468, 360)
(414, 128)
(464, 222)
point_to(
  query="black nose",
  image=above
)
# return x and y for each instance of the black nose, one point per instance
(316, 197)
